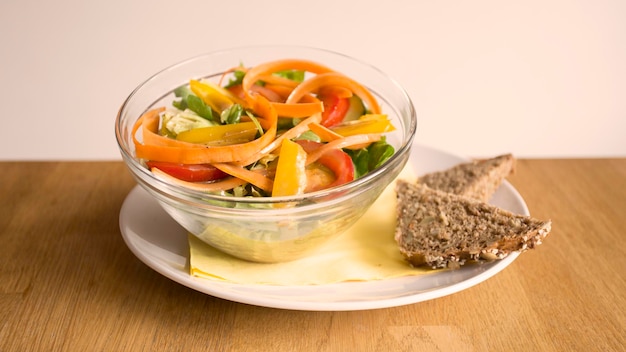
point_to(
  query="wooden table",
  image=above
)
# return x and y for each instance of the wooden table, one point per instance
(69, 283)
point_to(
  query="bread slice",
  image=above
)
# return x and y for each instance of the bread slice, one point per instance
(477, 179)
(440, 229)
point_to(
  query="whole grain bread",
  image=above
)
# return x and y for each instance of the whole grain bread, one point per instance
(477, 179)
(440, 229)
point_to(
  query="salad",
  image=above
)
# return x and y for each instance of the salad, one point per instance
(280, 128)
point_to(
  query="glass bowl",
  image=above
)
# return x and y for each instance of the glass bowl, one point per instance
(267, 229)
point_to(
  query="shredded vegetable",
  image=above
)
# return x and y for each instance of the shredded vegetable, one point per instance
(245, 123)
(334, 79)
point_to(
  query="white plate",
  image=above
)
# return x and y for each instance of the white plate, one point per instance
(162, 244)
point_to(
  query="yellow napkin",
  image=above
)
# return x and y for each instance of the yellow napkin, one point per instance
(367, 251)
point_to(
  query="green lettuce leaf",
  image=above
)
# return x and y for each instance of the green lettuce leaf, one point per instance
(360, 159)
(379, 152)
(368, 159)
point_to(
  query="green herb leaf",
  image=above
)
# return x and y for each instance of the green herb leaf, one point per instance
(181, 92)
(285, 124)
(256, 122)
(294, 75)
(237, 80)
(198, 106)
(232, 114)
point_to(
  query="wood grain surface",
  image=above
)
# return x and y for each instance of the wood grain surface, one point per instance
(69, 283)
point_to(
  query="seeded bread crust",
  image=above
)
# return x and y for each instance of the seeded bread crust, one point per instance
(478, 179)
(439, 229)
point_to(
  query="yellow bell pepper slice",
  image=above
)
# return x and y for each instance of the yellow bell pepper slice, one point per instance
(290, 178)
(366, 124)
(220, 134)
(213, 95)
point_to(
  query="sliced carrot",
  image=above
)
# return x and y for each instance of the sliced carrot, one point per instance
(160, 148)
(298, 110)
(313, 84)
(325, 134)
(255, 178)
(277, 94)
(269, 94)
(282, 91)
(338, 91)
(360, 139)
(328, 135)
(222, 185)
(263, 70)
(153, 115)
(292, 133)
(277, 80)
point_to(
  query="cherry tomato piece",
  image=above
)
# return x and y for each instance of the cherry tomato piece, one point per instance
(336, 160)
(335, 109)
(188, 172)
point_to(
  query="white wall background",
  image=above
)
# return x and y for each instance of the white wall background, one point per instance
(536, 78)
